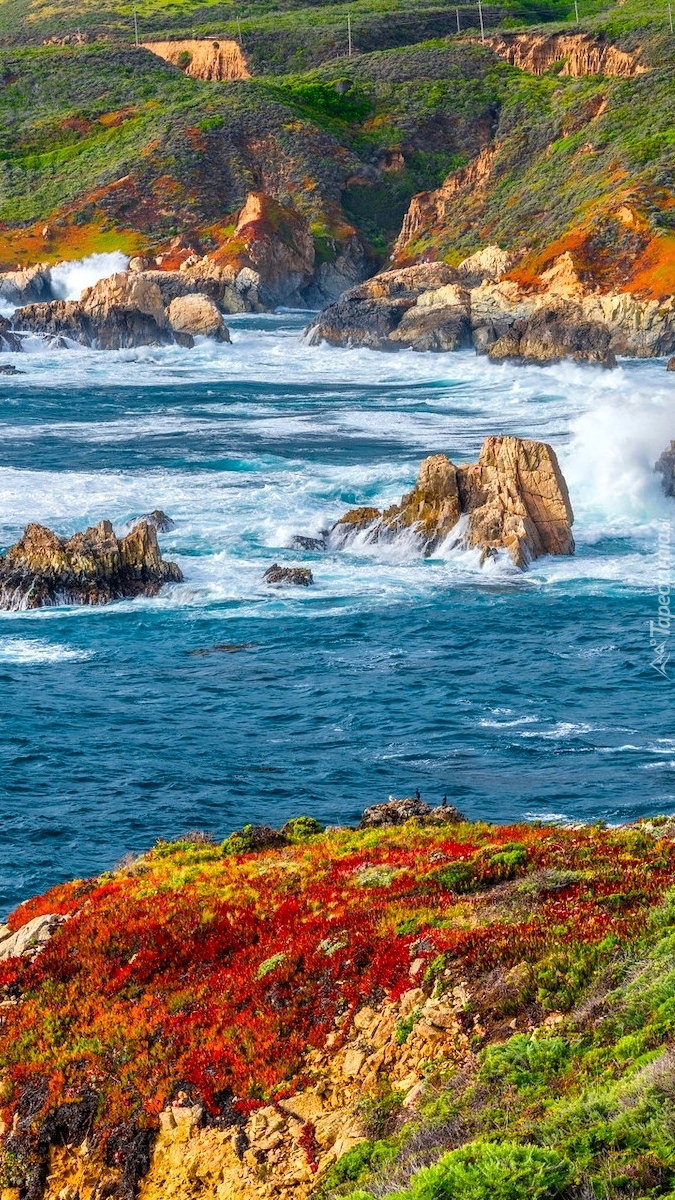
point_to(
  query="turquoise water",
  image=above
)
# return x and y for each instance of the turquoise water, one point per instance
(517, 695)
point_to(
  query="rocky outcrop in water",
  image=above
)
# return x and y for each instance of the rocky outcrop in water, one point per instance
(432, 306)
(666, 468)
(670, 366)
(277, 576)
(93, 567)
(514, 498)
(26, 286)
(122, 311)
(397, 812)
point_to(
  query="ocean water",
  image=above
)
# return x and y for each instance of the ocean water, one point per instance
(514, 694)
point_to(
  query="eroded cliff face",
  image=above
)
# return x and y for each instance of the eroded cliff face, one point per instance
(580, 54)
(212, 59)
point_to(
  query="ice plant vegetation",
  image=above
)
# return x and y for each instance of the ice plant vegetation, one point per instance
(210, 971)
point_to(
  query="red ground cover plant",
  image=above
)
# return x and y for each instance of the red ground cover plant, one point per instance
(197, 969)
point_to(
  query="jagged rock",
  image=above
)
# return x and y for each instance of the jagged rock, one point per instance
(666, 467)
(9, 341)
(277, 576)
(671, 364)
(397, 812)
(513, 498)
(30, 939)
(196, 315)
(10, 369)
(550, 336)
(89, 568)
(124, 310)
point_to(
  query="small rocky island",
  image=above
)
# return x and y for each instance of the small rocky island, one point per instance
(514, 498)
(93, 567)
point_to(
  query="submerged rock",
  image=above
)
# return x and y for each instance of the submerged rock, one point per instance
(158, 520)
(666, 468)
(9, 369)
(300, 542)
(89, 568)
(513, 498)
(277, 576)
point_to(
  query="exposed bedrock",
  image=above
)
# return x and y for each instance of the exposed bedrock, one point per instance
(666, 468)
(93, 567)
(514, 498)
(432, 306)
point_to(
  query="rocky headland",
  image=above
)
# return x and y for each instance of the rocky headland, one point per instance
(434, 306)
(303, 1013)
(94, 567)
(514, 499)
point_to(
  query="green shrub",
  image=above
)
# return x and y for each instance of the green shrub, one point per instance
(491, 1171)
(525, 1061)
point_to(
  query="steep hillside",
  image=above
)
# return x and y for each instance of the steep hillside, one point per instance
(302, 1014)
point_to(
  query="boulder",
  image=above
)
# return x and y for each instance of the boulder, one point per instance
(671, 364)
(397, 812)
(277, 576)
(514, 498)
(195, 315)
(666, 468)
(89, 568)
(30, 939)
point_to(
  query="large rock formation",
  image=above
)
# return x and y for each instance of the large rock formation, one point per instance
(514, 498)
(121, 311)
(89, 568)
(27, 285)
(432, 306)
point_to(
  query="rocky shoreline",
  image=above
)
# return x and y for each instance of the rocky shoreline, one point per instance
(433, 306)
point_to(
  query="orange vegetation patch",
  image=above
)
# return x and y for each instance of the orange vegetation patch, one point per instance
(654, 273)
(23, 247)
(113, 119)
(529, 270)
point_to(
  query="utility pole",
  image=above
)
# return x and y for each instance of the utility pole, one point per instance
(482, 27)
(458, 29)
(576, 9)
(136, 26)
(349, 33)
(670, 15)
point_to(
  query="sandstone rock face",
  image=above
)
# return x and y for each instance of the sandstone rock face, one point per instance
(30, 939)
(277, 576)
(197, 316)
(514, 498)
(207, 58)
(579, 53)
(666, 468)
(89, 568)
(436, 307)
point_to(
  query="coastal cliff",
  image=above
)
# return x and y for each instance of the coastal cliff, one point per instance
(305, 1013)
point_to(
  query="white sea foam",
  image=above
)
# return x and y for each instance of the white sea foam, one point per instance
(31, 651)
(608, 428)
(69, 279)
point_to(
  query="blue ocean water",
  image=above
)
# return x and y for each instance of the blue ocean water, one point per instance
(517, 695)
